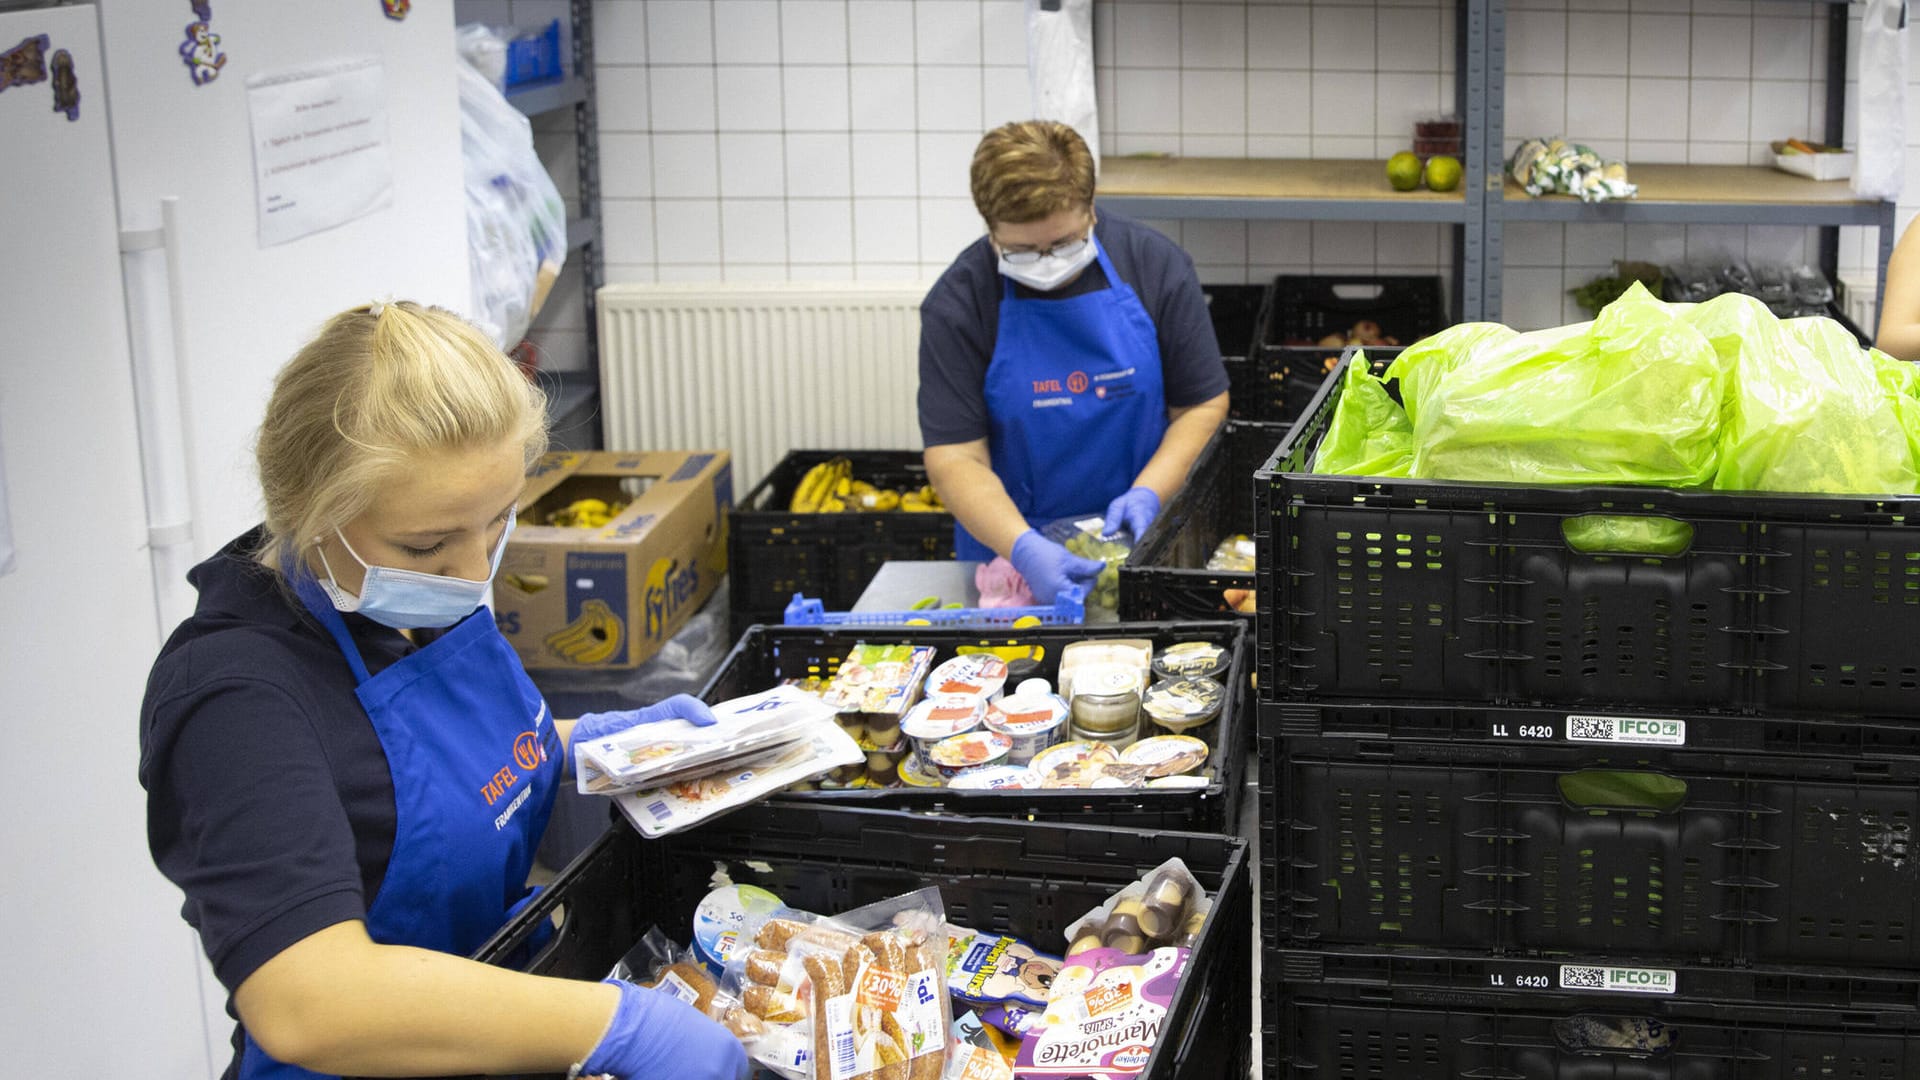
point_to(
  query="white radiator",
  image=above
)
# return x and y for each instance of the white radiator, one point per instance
(760, 369)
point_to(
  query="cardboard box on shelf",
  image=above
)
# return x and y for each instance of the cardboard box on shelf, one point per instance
(609, 597)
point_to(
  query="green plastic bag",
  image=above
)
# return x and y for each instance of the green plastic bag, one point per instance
(1634, 397)
(1420, 367)
(1813, 413)
(1901, 380)
(1370, 434)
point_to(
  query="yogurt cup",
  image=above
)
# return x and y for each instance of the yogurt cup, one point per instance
(994, 778)
(1071, 764)
(1033, 721)
(913, 774)
(1191, 659)
(976, 675)
(939, 718)
(1167, 755)
(963, 754)
(1184, 703)
(721, 919)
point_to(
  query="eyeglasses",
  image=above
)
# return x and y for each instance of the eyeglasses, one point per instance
(1065, 249)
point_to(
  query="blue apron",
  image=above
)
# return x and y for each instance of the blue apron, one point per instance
(476, 762)
(1076, 401)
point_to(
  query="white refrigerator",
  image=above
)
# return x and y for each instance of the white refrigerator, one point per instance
(140, 347)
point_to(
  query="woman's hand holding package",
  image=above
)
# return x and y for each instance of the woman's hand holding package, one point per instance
(592, 726)
(654, 1034)
(1049, 568)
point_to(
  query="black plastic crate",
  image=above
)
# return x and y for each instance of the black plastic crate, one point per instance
(766, 655)
(1468, 593)
(1290, 364)
(1500, 849)
(1236, 312)
(1165, 576)
(1021, 878)
(1517, 1038)
(773, 553)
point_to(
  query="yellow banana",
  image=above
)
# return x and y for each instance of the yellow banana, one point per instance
(812, 488)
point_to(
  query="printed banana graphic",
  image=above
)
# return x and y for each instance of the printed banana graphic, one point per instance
(593, 638)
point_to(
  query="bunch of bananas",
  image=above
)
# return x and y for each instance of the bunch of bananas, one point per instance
(585, 514)
(829, 488)
(593, 638)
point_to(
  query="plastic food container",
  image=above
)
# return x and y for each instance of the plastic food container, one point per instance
(1133, 654)
(994, 778)
(979, 675)
(718, 921)
(1167, 755)
(1184, 704)
(914, 774)
(939, 718)
(1032, 721)
(962, 754)
(1191, 659)
(1072, 764)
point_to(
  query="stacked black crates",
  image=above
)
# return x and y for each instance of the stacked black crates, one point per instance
(1269, 336)
(1535, 812)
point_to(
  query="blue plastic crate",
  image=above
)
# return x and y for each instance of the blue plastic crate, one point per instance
(535, 57)
(1069, 607)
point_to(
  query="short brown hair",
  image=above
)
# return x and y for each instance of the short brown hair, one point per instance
(1031, 169)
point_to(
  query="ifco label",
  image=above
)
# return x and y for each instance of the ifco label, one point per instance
(1629, 730)
(1613, 980)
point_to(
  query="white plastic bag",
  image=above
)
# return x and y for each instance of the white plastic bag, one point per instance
(1060, 67)
(1879, 172)
(516, 223)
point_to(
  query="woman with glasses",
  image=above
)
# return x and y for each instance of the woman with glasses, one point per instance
(1067, 363)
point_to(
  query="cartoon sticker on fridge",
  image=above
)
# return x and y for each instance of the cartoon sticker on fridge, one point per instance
(201, 51)
(66, 87)
(25, 63)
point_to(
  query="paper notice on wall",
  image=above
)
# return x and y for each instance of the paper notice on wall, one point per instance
(320, 154)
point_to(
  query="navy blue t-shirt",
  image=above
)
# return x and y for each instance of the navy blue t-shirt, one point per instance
(269, 800)
(960, 322)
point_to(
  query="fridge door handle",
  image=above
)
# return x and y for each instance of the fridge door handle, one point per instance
(159, 402)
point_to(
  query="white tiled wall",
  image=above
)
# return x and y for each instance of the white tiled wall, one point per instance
(829, 139)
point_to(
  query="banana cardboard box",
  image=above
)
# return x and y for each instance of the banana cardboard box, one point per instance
(612, 554)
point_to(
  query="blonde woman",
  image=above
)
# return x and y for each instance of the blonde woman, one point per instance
(348, 770)
(1067, 363)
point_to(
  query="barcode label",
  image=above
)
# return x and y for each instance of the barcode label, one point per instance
(675, 985)
(1611, 980)
(840, 1047)
(1627, 730)
(659, 809)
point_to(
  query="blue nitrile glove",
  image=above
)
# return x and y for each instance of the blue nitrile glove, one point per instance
(1135, 508)
(1048, 567)
(596, 725)
(654, 1034)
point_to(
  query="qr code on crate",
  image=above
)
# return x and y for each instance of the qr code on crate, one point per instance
(1589, 727)
(1583, 978)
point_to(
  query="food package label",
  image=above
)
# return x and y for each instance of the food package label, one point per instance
(1104, 1015)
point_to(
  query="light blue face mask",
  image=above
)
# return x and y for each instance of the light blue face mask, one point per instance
(409, 599)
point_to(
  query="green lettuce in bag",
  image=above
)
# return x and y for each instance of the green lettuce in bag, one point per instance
(1370, 434)
(1634, 397)
(1812, 412)
(1901, 380)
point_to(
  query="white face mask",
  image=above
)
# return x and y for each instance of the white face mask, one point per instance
(1049, 272)
(409, 599)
